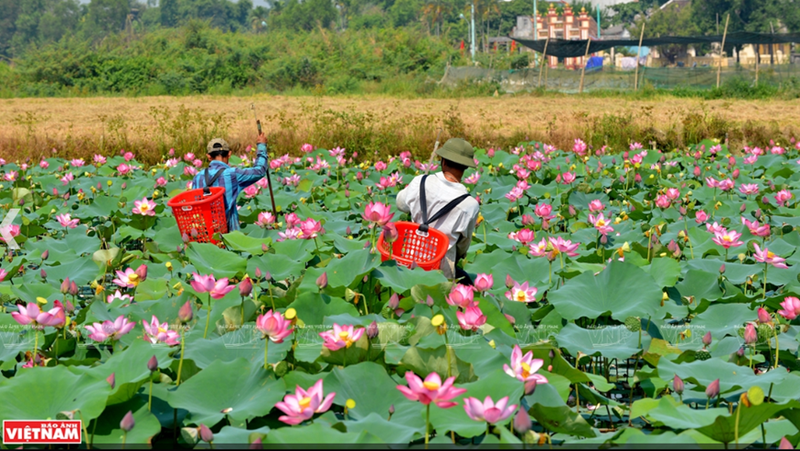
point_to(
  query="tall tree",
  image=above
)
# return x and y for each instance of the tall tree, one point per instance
(169, 12)
(104, 17)
(674, 20)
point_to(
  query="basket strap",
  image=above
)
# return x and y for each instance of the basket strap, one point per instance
(210, 182)
(445, 210)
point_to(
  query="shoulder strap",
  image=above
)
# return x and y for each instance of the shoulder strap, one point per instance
(424, 206)
(211, 181)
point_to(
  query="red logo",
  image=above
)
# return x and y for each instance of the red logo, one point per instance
(41, 432)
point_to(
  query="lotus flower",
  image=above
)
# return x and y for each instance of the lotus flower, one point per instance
(748, 189)
(716, 228)
(471, 319)
(274, 326)
(128, 156)
(144, 207)
(567, 178)
(251, 191)
(483, 282)
(110, 329)
(341, 336)
(524, 236)
(750, 334)
(663, 201)
(791, 308)
(208, 284)
(292, 220)
(673, 193)
(755, 228)
(66, 221)
(306, 148)
(390, 233)
(472, 179)
(124, 169)
(156, 332)
(488, 411)
(431, 390)
(311, 228)
(265, 219)
(726, 185)
(564, 246)
(522, 293)
(596, 205)
(765, 256)
(524, 368)
(127, 279)
(302, 405)
(601, 224)
(38, 319)
(67, 178)
(12, 230)
(701, 217)
(290, 234)
(782, 197)
(378, 213)
(727, 239)
(461, 296)
(117, 295)
(3, 274)
(515, 194)
(540, 250)
(161, 182)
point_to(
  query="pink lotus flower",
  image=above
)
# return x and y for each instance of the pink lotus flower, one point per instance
(763, 315)
(12, 230)
(11, 176)
(483, 282)
(77, 162)
(596, 205)
(208, 284)
(515, 194)
(564, 246)
(30, 314)
(765, 256)
(66, 221)
(461, 296)
(128, 156)
(673, 193)
(431, 390)
(306, 148)
(579, 147)
(127, 279)
(251, 191)
(471, 319)
(791, 308)
(748, 189)
(755, 228)
(3, 274)
(701, 217)
(99, 160)
(199, 163)
(524, 368)
(292, 220)
(171, 163)
(567, 178)
(488, 411)
(750, 159)
(156, 332)
(601, 223)
(117, 295)
(265, 219)
(378, 213)
(663, 201)
(110, 329)
(341, 336)
(726, 185)
(293, 233)
(311, 228)
(540, 250)
(783, 197)
(524, 236)
(522, 293)
(304, 404)
(380, 166)
(472, 179)
(727, 239)
(293, 180)
(161, 182)
(191, 171)
(544, 211)
(188, 157)
(124, 169)
(44, 164)
(67, 178)
(274, 326)
(750, 334)
(715, 228)
(712, 182)
(144, 207)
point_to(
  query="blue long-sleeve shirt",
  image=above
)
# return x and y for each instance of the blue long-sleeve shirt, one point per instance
(234, 180)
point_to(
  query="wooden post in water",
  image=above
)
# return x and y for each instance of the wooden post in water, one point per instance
(722, 49)
(585, 58)
(541, 66)
(638, 56)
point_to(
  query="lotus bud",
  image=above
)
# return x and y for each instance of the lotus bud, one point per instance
(390, 233)
(707, 339)
(735, 174)
(45, 254)
(510, 318)
(245, 287)
(152, 364)
(549, 368)
(256, 444)
(603, 239)
(21, 202)
(682, 210)
(258, 273)
(124, 185)
(551, 354)
(509, 281)
(267, 276)
(637, 178)
(394, 301)
(185, 238)
(372, 330)
(722, 268)
(785, 444)
(742, 208)
(73, 288)
(68, 307)
(141, 271)
(206, 434)
(65, 286)
(677, 385)
(750, 334)
(346, 193)
(112, 381)
(713, 389)
(264, 248)
(571, 210)
(171, 152)
(429, 301)
(186, 313)
(43, 273)
(391, 409)
(522, 421)
(127, 422)
(763, 315)
(740, 352)
(322, 281)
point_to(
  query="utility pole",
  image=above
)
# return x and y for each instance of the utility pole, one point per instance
(472, 30)
(535, 22)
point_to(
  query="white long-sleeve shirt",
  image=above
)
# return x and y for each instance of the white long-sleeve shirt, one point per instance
(458, 225)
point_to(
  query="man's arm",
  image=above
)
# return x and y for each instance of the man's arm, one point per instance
(248, 176)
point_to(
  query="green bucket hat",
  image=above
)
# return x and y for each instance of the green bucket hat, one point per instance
(458, 151)
(218, 145)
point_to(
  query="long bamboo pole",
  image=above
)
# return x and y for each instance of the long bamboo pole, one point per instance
(585, 57)
(541, 65)
(722, 49)
(638, 56)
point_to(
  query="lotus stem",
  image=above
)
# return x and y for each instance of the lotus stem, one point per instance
(266, 350)
(777, 347)
(766, 266)
(271, 298)
(447, 352)
(427, 424)
(91, 440)
(208, 317)
(487, 430)
(124, 437)
(150, 396)
(35, 344)
(736, 424)
(180, 363)
(242, 310)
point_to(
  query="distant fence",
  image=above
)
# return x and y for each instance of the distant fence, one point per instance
(619, 79)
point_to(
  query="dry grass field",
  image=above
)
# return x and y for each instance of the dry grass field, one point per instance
(150, 125)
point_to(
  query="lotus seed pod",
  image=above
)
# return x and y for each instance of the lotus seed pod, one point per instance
(702, 355)
(633, 324)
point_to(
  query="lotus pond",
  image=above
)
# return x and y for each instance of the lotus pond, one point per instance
(621, 297)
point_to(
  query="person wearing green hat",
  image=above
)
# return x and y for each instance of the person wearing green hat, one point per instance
(234, 180)
(441, 189)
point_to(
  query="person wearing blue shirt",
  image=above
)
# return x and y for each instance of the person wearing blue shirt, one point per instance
(234, 180)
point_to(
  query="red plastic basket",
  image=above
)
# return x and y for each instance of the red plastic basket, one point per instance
(200, 216)
(412, 246)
